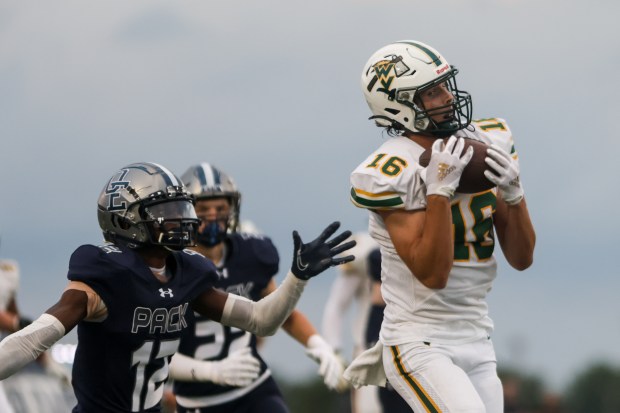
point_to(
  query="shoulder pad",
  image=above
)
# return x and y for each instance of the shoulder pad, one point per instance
(196, 258)
(95, 262)
(260, 246)
(390, 178)
(495, 131)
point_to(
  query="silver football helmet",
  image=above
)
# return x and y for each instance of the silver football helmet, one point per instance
(392, 80)
(205, 181)
(144, 204)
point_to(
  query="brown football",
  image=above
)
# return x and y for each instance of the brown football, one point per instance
(473, 179)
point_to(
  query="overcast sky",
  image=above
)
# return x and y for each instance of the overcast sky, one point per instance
(269, 92)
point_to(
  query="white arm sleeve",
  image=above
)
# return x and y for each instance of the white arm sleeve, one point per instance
(27, 344)
(342, 293)
(264, 317)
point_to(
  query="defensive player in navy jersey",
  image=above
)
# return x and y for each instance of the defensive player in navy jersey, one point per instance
(218, 368)
(133, 297)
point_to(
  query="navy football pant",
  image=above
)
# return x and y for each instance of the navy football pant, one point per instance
(266, 398)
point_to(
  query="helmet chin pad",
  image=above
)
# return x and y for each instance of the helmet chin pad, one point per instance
(445, 129)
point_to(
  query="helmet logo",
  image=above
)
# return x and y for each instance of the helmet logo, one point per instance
(114, 186)
(382, 70)
(385, 71)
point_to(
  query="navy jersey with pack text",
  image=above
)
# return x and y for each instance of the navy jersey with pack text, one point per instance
(250, 264)
(121, 363)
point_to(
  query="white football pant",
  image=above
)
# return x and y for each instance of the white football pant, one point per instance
(438, 378)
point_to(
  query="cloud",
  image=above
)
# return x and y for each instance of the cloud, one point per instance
(269, 92)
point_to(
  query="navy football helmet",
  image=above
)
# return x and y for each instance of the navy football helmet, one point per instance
(144, 204)
(205, 181)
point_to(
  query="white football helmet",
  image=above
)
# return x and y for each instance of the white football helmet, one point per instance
(144, 204)
(392, 79)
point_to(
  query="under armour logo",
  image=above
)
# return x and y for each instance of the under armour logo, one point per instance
(162, 292)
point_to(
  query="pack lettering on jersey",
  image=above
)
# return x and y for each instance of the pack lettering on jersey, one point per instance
(242, 289)
(251, 262)
(166, 320)
(131, 348)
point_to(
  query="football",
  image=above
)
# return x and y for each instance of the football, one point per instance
(472, 179)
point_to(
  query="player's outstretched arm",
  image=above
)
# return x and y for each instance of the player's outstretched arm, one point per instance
(264, 317)
(341, 296)
(25, 345)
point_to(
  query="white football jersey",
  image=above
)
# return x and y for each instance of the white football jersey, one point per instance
(391, 178)
(9, 281)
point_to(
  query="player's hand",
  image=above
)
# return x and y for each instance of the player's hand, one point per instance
(239, 369)
(504, 173)
(445, 167)
(331, 366)
(316, 256)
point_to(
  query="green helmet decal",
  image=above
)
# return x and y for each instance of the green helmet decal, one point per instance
(436, 59)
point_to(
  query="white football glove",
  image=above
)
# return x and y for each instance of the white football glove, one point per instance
(239, 369)
(504, 174)
(331, 366)
(445, 167)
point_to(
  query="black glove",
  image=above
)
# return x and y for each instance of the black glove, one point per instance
(315, 257)
(23, 322)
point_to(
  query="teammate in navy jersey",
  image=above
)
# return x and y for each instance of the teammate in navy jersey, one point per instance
(218, 368)
(133, 297)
